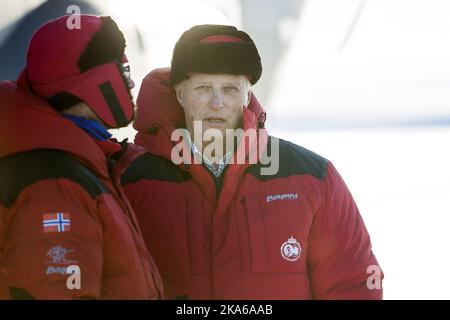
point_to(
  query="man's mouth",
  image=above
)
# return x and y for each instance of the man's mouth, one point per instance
(214, 121)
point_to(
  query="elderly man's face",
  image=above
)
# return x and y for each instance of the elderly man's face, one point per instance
(215, 100)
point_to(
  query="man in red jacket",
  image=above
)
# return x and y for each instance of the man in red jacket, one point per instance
(261, 218)
(67, 230)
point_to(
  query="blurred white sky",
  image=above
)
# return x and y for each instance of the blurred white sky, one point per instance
(395, 67)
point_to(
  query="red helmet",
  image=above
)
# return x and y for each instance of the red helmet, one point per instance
(85, 63)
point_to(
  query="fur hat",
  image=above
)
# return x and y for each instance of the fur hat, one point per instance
(215, 49)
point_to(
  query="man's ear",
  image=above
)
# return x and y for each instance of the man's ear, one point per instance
(179, 93)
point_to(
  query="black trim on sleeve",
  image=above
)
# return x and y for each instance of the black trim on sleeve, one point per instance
(19, 294)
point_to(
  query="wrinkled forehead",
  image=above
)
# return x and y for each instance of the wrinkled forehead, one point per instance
(219, 79)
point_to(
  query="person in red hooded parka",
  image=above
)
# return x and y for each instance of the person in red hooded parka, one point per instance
(67, 230)
(220, 228)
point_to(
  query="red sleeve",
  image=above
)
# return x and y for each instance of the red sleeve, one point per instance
(35, 257)
(341, 262)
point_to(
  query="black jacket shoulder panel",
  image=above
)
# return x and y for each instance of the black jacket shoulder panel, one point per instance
(293, 160)
(151, 167)
(23, 169)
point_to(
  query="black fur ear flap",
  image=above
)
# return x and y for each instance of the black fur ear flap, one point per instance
(108, 44)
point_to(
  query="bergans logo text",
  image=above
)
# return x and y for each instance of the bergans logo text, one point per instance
(284, 196)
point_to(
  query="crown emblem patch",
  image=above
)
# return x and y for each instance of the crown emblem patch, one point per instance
(291, 249)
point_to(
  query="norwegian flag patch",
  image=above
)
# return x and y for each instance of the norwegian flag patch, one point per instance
(56, 222)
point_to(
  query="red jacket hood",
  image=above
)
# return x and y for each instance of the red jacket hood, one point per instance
(27, 123)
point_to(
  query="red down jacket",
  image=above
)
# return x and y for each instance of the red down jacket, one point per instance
(293, 235)
(60, 206)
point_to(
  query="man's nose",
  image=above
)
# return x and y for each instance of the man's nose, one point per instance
(217, 100)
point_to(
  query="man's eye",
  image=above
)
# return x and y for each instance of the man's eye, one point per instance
(202, 88)
(230, 88)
